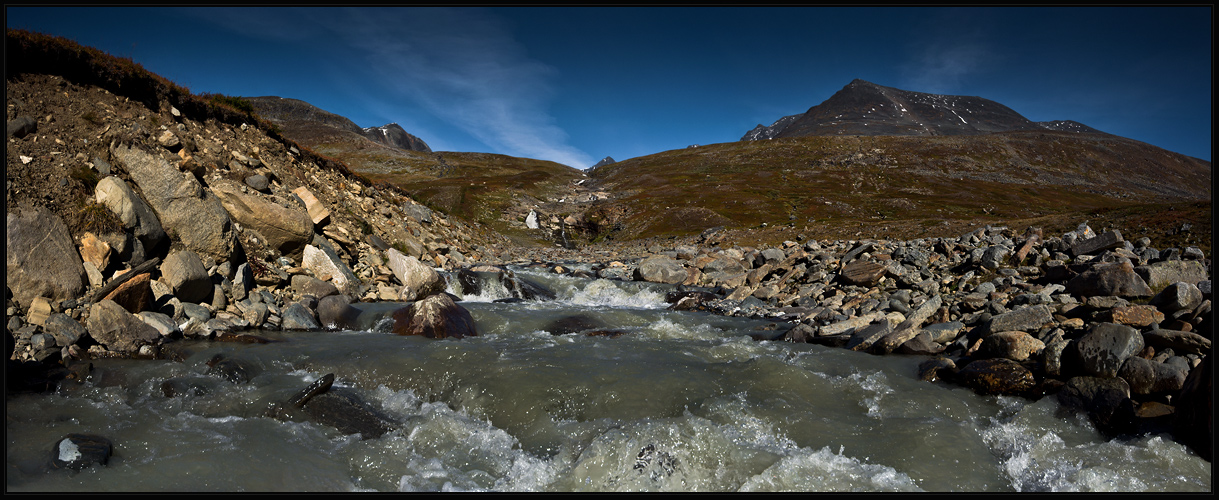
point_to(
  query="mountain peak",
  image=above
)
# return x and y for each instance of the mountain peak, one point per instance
(865, 108)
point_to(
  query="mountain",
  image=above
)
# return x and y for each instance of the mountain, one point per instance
(393, 135)
(865, 108)
(604, 161)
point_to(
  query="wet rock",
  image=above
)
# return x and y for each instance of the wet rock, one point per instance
(118, 330)
(1055, 358)
(1106, 346)
(42, 260)
(344, 410)
(183, 387)
(1106, 400)
(863, 338)
(526, 289)
(436, 317)
(996, 376)
(1149, 377)
(573, 324)
(334, 312)
(235, 370)
(1194, 421)
(187, 211)
(298, 317)
(77, 451)
(935, 369)
(660, 269)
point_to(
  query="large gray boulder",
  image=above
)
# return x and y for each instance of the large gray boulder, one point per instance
(285, 229)
(660, 269)
(418, 280)
(184, 272)
(42, 260)
(1106, 346)
(120, 331)
(1151, 377)
(326, 265)
(188, 212)
(1161, 274)
(1111, 278)
(1177, 296)
(114, 193)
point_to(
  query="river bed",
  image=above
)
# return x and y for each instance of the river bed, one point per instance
(658, 401)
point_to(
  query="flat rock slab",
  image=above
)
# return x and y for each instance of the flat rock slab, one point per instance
(862, 273)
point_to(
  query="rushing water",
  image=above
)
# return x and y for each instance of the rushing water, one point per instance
(678, 401)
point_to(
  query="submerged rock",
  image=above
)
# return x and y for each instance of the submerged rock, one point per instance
(435, 317)
(77, 451)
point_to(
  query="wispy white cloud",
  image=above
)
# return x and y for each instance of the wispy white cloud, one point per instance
(462, 65)
(941, 67)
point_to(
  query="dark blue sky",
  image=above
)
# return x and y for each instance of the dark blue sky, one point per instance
(577, 84)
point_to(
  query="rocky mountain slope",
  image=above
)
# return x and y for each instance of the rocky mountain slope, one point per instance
(865, 108)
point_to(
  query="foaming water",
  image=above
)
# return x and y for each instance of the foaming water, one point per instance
(671, 401)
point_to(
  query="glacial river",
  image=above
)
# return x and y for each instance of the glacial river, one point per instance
(678, 401)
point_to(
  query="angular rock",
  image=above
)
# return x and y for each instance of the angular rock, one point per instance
(862, 273)
(1161, 274)
(1014, 345)
(187, 211)
(1116, 278)
(1028, 318)
(184, 272)
(863, 338)
(318, 212)
(161, 322)
(326, 265)
(21, 126)
(285, 229)
(1104, 241)
(135, 294)
(1140, 315)
(436, 317)
(1177, 296)
(849, 325)
(298, 317)
(418, 280)
(94, 250)
(308, 285)
(944, 333)
(42, 260)
(1106, 346)
(1180, 342)
(996, 376)
(660, 269)
(259, 182)
(909, 328)
(120, 331)
(65, 330)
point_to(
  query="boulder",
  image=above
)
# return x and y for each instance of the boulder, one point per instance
(1014, 345)
(1194, 420)
(187, 211)
(1145, 376)
(120, 331)
(318, 213)
(298, 317)
(308, 285)
(1111, 278)
(285, 229)
(1107, 401)
(435, 316)
(335, 313)
(1177, 297)
(65, 330)
(996, 376)
(134, 295)
(1106, 346)
(862, 273)
(1138, 315)
(1029, 318)
(1180, 342)
(77, 451)
(42, 260)
(184, 272)
(418, 280)
(326, 265)
(660, 269)
(1161, 274)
